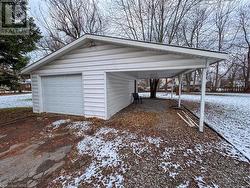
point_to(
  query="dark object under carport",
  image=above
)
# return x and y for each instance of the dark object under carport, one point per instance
(137, 98)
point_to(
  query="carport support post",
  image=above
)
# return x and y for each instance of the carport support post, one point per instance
(180, 82)
(203, 93)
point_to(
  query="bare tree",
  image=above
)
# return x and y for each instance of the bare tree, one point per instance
(151, 20)
(244, 20)
(195, 34)
(67, 20)
(222, 20)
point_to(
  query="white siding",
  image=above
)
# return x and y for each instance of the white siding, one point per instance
(120, 87)
(107, 57)
(94, 94)
(35, 93)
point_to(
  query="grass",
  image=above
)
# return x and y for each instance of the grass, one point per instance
(15, 109)
(30, 99)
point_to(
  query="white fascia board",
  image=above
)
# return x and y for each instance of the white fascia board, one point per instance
(162, 47)
(54, 55)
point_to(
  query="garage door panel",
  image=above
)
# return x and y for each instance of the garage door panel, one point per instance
(63, 94)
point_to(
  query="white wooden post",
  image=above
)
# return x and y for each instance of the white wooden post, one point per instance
(202, 102)
(172, 88)
(180, 82)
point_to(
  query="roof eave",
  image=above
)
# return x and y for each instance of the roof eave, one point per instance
(191, 51)
(54, 55)
(197, 52)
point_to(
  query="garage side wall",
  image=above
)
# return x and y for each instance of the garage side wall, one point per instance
(120, 87)
(35, 93)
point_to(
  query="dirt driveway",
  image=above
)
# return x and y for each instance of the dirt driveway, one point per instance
(145, 145)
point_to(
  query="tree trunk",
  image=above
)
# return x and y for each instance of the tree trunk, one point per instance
(248, 73)
(188, 80)
(216, 78)
(194, 82)
(153, 87)
(166, 85)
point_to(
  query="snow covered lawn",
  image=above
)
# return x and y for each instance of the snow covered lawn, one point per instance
(228, 114)
(12, 101)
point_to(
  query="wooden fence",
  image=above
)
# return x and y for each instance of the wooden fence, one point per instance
(238, 89)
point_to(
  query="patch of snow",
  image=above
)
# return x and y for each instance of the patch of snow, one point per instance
(200, 149)
(172, 168)
(57, 123)
(156, 141)
(227, 113)
(168, 152)
(104, 131)
(113, 181)
(215, 185)
(105, 154)
(183, 185)
(80, 126)
(101, 149)
(138, 147)
(230, 151)
(188, 152)
(223, 148)
(12, 101)
(200, 182)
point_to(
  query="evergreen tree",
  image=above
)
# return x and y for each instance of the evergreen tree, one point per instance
(13, 55)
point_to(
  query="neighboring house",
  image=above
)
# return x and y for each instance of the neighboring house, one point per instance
(94, 75)
(25, 85)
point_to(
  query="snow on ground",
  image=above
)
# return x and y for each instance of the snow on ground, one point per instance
(183, 185)
(227, 113)
(105, 154)
(79, 126)
(107, 166)
(57, 123)
(12, 101)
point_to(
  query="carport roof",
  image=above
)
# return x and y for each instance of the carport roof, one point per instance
(213, 56)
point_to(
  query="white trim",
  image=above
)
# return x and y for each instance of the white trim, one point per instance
(83, 106)
(155, 46)
(180, 87)
(215, 56)
(105, 96)
(202, 100)
(60, 73)
(160, 68)
(40, 93)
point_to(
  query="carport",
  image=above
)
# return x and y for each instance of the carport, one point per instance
(120, 95)
(94, 75)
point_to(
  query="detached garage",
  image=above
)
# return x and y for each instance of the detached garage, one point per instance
(94, 75)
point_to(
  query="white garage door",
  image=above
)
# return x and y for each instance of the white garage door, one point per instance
(63, 94)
